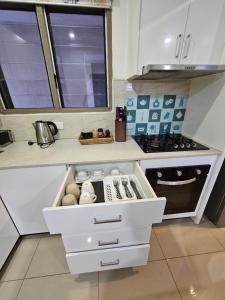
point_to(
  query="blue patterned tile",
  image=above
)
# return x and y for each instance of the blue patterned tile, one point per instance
(141, 128)
(143, 102)
(131, 116)
(153, 128)
(154, 115)
(142, 115)
(131, 103)
(164, 128)
(181, 102)
(156, 102)
(167, 115)
(131, 128)
(179, 115)
(176, 127)
(169, 101)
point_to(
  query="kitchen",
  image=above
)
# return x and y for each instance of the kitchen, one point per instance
(186, 251)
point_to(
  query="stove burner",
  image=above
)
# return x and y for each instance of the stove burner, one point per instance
(167, 143)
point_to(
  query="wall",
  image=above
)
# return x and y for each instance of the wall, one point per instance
(74, 123)
(205, 115)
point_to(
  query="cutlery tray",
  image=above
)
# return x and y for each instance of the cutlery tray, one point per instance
(110, 191)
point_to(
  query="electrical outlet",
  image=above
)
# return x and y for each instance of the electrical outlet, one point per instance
(59, 125)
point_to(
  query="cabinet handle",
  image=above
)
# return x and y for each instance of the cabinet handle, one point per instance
(111, 263)
(116, 242)
(181, 182)
(178, 46)
(187, 45)
(119, 219)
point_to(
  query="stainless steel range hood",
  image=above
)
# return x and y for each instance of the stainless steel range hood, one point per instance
(156, 72)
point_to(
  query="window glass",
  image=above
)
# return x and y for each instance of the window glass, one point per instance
(78, 42)
(23, 76)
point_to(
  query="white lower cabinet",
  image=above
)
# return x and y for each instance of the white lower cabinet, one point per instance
(106, 235)
(106, 239)
(25, 191)
(8, 234)
(100, 260)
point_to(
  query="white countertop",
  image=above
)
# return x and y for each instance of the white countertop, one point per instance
(69, 151)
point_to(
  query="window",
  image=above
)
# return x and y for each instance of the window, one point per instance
(23, 75)
(79, 51)
(54, 60)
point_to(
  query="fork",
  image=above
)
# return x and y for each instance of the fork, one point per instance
(116, 185)
(125, 184)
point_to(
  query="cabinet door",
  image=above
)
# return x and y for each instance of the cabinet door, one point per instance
(8, 234)
(26, 191)
(205, 32)
(162, 27)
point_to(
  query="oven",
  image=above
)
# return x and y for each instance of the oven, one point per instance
(182, 186)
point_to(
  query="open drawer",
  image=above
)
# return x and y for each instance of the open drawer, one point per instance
(105, 216)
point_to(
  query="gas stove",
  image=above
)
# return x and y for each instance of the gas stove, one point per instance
(167, 143)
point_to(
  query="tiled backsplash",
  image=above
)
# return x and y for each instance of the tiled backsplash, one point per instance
(155, 114)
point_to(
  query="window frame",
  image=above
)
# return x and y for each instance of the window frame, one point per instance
(40, 11)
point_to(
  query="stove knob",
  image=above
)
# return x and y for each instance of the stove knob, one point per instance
(179, 173)
(188, 145)
(182, 146)
(175, 146)
(198, 171)
(193, 145)
(159, 174)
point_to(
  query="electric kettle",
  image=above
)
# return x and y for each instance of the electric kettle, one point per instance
(45, 132)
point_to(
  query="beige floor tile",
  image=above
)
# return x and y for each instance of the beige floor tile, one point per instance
(10, 289)
(150, 282)
(60, 287)
(49, 259)
(155, 249)
(20, 260)
(183, 237)
(219, 234)
(200, 277)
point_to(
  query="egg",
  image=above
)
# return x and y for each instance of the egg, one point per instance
(69, 200)
(74, 189)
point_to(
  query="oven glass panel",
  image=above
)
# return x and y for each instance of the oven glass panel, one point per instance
(182, 186)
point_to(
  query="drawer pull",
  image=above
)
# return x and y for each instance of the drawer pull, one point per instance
(112, 263)
(119, 219)
(116, 242)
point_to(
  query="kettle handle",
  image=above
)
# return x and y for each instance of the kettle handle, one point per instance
(54, 126)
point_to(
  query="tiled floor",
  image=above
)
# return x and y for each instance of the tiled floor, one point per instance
(187, 261)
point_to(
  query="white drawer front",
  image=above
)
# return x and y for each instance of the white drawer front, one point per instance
(104, 240)
(100, 260)
(105, 216)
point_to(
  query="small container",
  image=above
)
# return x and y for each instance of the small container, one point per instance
(100, 132)
(120, 131)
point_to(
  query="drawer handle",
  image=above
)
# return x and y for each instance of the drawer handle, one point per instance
(111, 263)
(116, 242)
(119, 219)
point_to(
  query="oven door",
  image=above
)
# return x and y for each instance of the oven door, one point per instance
(182, 186)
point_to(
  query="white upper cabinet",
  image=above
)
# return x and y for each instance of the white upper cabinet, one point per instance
(162, 27)
(166, 32)
(205, 33)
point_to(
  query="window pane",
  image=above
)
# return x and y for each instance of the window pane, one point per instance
(23, 76)
(78, 42)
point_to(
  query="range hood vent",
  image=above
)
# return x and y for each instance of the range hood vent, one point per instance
(157, 72)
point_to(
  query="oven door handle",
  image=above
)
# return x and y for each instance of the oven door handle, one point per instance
(181, 182)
